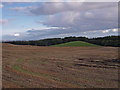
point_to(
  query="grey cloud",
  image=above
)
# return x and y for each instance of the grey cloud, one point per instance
(77, 15)
(57, 33)
(99, 20)
(50, 8)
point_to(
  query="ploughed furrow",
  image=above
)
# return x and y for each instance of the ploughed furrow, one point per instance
(9, 84)
(69, 80)
(21, 79)
(94, 65)
(30, 78)
(98, 63)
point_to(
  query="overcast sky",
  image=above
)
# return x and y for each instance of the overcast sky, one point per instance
(38, 20)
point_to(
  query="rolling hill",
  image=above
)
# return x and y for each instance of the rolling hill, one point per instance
(76, 43)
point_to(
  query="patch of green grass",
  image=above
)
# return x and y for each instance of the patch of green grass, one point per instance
(76, 44)
(16, 67)
(19, 60)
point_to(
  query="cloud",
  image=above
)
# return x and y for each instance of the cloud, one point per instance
(6, 21)
(71, 19)
(115, 30)
(16, 34)
(23, 10)
(105, 31)
(50, 8)
(1, 5)
(89, 15)
(3, 21)
(55, 33)
(60, 0)
(19, 1)
(18, 8)
(75, 16)
(99, 19)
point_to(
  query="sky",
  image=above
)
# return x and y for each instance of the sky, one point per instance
(40, 20)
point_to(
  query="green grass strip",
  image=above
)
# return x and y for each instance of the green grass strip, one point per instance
(76, 44)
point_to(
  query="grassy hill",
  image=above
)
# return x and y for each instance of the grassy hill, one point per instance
(76, 43)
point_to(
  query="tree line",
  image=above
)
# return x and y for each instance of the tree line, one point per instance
(103, 41)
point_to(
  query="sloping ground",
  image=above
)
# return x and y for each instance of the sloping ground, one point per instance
(60, 67)
(76, 43)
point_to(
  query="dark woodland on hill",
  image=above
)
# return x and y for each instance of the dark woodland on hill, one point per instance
(103, 41)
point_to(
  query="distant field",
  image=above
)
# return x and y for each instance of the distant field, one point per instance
(76, 43)
(26, 66)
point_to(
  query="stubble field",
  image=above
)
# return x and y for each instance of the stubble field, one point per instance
(60, 67)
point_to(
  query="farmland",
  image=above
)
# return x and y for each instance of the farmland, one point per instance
(26, 66)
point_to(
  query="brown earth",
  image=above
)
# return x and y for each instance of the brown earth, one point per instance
(59, 67)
